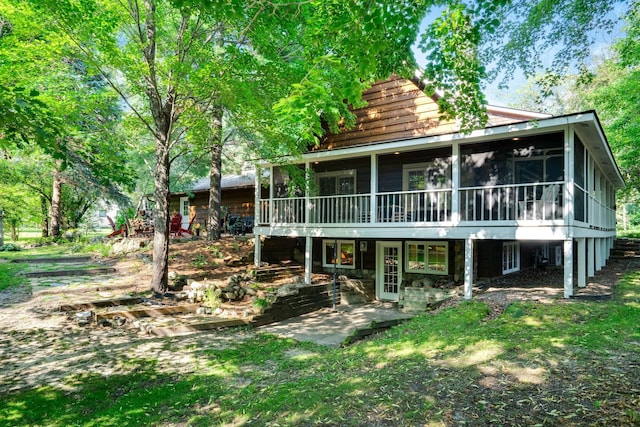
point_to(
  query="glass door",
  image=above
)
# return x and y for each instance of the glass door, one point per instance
(388, 270)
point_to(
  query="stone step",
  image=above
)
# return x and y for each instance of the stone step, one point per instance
(78, 272)
(53, 260)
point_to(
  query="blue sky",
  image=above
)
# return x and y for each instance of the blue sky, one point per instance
(499, 97)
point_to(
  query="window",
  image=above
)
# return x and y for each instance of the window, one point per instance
(336, 183)
(345, 252)
(510, 257)
(427, 176)
(543, 165)
(427, 257)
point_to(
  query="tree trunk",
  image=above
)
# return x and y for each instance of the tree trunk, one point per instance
(215, 175)
(44, 208)
(160, 275)
(56, 200)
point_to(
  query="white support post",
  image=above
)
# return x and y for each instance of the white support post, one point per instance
(257, 251)
(373, 205)
(569, 188)
(455, 183)
(307, 194)
(271, 193)
(568, 268)
(598, 253)
(582, 263)
(257, 191)
(468, 269)
(603, 248)
(308, 260)
(591, 269)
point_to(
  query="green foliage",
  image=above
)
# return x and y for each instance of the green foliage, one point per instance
(215, 251)
(10, 277)
(212, 298)
(261, 304)
(199, 261)
(10, 247)
(123, 216)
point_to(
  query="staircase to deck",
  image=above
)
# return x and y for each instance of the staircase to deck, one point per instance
(273, 273)
(625, 248)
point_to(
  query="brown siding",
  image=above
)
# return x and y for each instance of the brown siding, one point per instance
(239, 201)
(397, 109)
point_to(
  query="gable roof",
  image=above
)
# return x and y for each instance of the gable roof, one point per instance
(398, 109)
(227, 182)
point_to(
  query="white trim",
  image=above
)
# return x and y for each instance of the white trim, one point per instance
(517, 112)
(329, 242)
(426, 269)
(510, 250)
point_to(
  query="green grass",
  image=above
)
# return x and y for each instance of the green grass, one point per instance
(633, 232)
(568, 363)
(38, 247)
(10, 275)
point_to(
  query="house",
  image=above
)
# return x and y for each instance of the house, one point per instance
(404, 194)
(237, 198)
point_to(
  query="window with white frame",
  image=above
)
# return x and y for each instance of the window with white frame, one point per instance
(427, 176)
(336, 183)
(510, 257)
(343, 255)
(427, 257)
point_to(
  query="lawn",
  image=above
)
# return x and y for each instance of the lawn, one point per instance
(568, 363)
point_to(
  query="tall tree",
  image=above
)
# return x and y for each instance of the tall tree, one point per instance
(67, 112)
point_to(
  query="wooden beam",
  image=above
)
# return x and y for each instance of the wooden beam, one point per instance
(154, 311)
(53, 260)
(112, 302)
(77, 272)
(186, 328)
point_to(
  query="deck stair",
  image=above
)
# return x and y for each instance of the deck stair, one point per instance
(625, 248)
(275, 272)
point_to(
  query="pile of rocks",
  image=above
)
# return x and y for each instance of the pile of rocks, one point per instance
(235, 288)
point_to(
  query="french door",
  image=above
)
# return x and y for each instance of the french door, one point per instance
(388, 270)
(185, 210)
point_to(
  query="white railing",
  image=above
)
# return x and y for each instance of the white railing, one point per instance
(601, 215)
(414, 206)
(519, 202)
(340, 209)
(403, 206)
(282, 211)
(541, 201)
